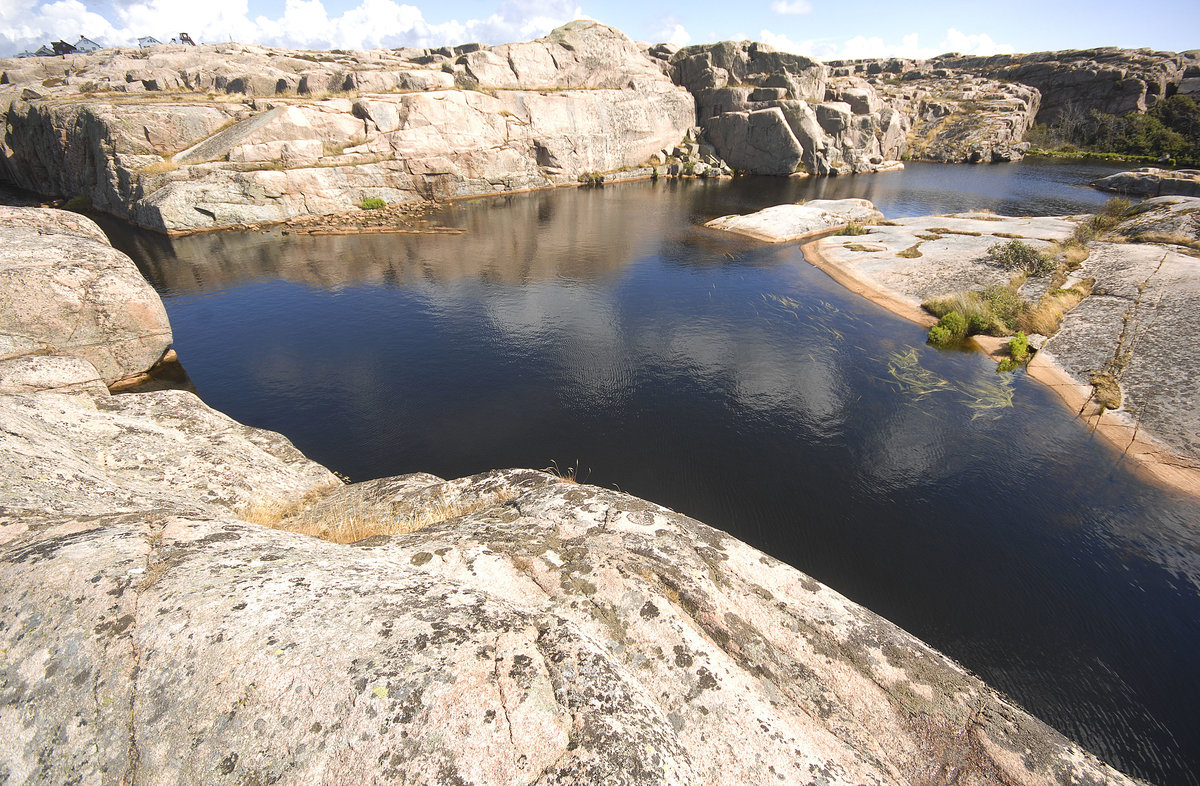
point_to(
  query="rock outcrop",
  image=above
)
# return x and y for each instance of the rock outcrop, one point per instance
(774, 113)
(529, 630)
(272, 134)
(961, 118)
(1108, 79)
(66, 292)
(1152, 182)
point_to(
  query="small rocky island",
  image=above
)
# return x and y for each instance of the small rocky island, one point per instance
(517, 628)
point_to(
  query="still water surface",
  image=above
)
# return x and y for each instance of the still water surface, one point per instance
(605, 329)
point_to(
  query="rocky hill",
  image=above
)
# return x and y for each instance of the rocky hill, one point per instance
(1108, 79)
(515, 628)
(179, 138)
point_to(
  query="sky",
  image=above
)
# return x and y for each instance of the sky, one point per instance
(824, 29)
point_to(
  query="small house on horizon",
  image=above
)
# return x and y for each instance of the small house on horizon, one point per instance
(86, 45)
(44, 51)
(148, 40)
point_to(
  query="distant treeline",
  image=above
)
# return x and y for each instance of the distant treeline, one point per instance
(1171, 130)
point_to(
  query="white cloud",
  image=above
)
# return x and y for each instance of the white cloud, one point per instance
(675, 35)
(793, 7)
(304, 23)
(785, 44)
(981, 44)
(862, 47)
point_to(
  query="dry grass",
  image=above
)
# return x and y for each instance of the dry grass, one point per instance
(948, 231)
(346, 519)
(1167, 239)
(1074, 255)
(565, 474)
(1047, 315)
(912, 252)
(160, 167)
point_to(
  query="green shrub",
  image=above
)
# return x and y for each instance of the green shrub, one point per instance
(950, 330)
(591, 178)
(1018, 256)
(372, 203)
(939, 336)
(853, 229)
(1018, 347)
(1006, 306)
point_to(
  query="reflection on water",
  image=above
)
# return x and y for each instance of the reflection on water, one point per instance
(736, 383)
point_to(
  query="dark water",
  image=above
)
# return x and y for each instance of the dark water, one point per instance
(605, 329)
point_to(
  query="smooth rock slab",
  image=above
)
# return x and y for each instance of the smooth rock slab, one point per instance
(75, 454)
(785, 223)
(568, 635)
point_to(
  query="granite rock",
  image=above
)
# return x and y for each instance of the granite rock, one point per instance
(65, 290)
(1152, 182)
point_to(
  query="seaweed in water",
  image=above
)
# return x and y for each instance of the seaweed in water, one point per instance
(919, 382)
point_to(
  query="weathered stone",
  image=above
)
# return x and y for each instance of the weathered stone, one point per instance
(37, 372)
(757, 142)
(64, 289)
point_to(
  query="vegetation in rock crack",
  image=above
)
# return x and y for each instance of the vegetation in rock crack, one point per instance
(853, 229)
(591, 178)
(569, 474)
(1105, 390)
(912, 252)
(1170, 130)
(347, 519)
(1018, 256)
(372, 203)
(168, 164)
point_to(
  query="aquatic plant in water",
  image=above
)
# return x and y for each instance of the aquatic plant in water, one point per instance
(919, 382)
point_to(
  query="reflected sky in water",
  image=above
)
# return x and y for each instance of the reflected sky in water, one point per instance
(732, 381)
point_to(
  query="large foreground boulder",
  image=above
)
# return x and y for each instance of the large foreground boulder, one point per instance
(65, 289)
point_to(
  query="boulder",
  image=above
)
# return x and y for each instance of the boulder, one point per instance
(758, 142)
(786, 223)
(65, 289)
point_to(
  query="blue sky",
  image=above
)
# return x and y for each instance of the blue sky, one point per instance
(826, 29)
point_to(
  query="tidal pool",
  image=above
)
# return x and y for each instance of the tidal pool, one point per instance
(604, 332)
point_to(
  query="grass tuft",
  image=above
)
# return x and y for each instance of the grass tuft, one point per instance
(346, 519)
